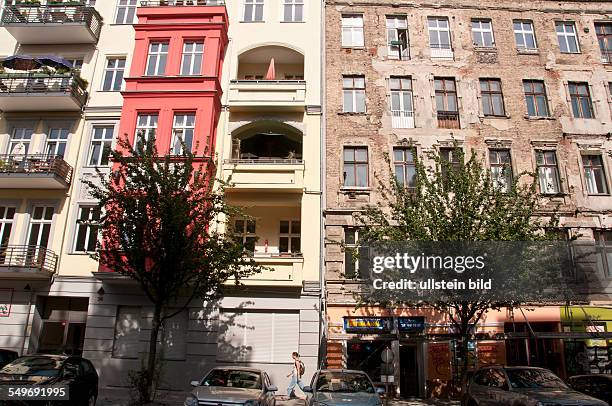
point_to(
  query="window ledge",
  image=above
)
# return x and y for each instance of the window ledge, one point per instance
(359, 190)
(250, 22)
(527, 51)
(538, 118)
(350, 113)
(570, 53)
(506, 117)
(485, 49)
(292, 22)
(553, 195)
(350, 47)
(598, 194)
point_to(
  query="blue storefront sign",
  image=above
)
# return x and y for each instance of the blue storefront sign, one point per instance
(411, 324)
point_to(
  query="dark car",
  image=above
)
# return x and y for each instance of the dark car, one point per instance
(77, 373)
(7, 356)
(597, 385)
(341, 387)
(522, 386)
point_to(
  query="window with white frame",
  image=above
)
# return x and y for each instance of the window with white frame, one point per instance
(594, 174)
(126, 343)
(157, 58)
(482, 33)
(101, 145)
(253, 10)
(568, 39)
(41, 220)
(402, 109)
(7, 215)
(19, 143)
(397, 37)
(439, 33)
(146, 125)
(126, 11)
(352, 30)
(193, 52)
(293, 11)
(113, 74)
(57, 140)
(182, 130)
(501, 169)
(603, 241)
(77, 63)
(244, 232)
(353, 93)
(548, 172)
(87, 229)
(524, 35)
(289, 236)
(351, 252)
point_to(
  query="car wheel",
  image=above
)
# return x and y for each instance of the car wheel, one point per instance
(92, 400)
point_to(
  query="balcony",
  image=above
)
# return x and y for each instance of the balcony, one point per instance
(174, 3)
(402, 119)
(288, 94)
(284, 270)
(441, 52)
(34, 172)
(448, 119)
(52, 24)
(27, 261)
(254, 174)
(41, 92)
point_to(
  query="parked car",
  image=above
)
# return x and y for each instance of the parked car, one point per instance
(339, 387)
(597, 385)
(77, 373)
(522, 386)
(7, 356)
(236, 385)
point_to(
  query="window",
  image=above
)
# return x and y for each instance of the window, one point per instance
(156, 61)
(603, 241)
(126, 343)
(402, 110)
(404, 163)
(524, 35)
(548, 172)
(439, 33)
(20, 141)
(351, 243)
(355, 166)
(184, 125)
(87, 229)
(146, 125)
(113, 74)
(446, 102)
(293, 11)
(397, 37)
(582, 106)
(244, 232)
(501, 169)
(353, 89)
(566, 34)
(451, 161)
(193, 51)
(7, 215)
(289, 237)
(77, 63)
(253, 10)
(101, 144)
(535, 98)
(126, 11)
(492, 97)
(56, 142)
(40, 226)
(352, 30)
(594, 174)
(604, 37)
(482, 33)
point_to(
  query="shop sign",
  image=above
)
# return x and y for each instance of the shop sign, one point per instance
(411, 324)
(6, 300)
(367, 324)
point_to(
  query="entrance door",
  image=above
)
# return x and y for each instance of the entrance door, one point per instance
(63, 324)
(409, 371)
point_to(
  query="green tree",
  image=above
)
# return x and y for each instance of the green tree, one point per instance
(161, 217)
(461, 203)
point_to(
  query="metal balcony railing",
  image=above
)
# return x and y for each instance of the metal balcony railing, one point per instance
(40, 83)
(402, 119)
(28, 256)
(26, 14)
(36, 163)
(606, 56)
(267, 82)
(172, 3)
(448, 119)
(263, 161)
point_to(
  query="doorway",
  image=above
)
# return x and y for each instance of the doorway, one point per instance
(63, 324)
(409, 371)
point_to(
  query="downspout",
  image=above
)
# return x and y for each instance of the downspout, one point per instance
(323, 199)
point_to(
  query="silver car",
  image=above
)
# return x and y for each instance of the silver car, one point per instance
(341, 387)
(522, 386)
(233, 386)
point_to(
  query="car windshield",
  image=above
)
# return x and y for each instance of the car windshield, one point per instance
(232, 378)
(34, 366)
(533, 379)
(344, 382)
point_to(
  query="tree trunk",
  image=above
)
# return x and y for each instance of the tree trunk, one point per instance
(152, 354)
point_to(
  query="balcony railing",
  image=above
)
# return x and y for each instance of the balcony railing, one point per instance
(606, 56)
(43, 84)
(32, 164)
(263, 161)
(448, 119)
(172, 3)
(267, 82)
(402, 119)
(59, 15)
(34, 257)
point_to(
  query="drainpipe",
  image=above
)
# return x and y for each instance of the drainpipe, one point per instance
(323, 199)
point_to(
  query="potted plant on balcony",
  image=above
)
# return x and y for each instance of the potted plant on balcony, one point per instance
(27, 2)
